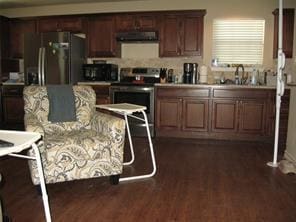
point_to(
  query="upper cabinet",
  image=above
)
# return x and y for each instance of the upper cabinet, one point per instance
(288, 32)
(181, 34)
(61, 23)
(4, 30)
(16, 36)
(136, 22)
(101, 36)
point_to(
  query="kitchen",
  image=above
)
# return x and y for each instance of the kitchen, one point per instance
(132, 54)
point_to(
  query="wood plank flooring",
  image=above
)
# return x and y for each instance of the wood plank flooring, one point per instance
(197, 180)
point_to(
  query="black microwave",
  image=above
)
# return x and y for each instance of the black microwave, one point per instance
(100, 72)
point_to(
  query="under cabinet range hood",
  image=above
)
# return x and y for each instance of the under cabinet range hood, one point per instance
(136, 36)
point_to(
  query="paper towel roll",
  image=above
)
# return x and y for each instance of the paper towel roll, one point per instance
(203, 79)
(203, 70)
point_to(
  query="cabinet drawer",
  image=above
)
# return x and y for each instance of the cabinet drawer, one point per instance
(12, 90)
(101, 90)
(183, 92)
(240, 93)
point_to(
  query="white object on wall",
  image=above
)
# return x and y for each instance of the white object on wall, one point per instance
(203, 74)
(139, 50)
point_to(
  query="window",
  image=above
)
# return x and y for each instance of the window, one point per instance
(238, 41)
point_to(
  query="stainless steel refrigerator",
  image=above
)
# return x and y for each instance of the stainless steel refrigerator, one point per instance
(53, 58)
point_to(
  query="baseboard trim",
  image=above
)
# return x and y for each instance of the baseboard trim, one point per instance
(290, 157)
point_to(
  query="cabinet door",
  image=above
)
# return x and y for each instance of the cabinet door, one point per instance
(195, 115)
(225, 116)
(132, 22)
(71, 24)
(192, 35)
(125, 23)
(101, 37)
(252, 116)
(288, 32)
(17, 30)
(13, 109)
(146, 22)
(102, 94)
(170, 36)
(168, 113)
(48, 25)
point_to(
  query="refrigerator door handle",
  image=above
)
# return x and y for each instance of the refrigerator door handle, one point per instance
(43, 67)
(40, 66)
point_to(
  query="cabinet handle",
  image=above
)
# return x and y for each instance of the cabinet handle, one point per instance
(13, 91)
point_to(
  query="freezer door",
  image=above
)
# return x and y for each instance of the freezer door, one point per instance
(56, 61)
(32, 58)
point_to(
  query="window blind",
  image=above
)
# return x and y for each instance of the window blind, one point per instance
(238, 41)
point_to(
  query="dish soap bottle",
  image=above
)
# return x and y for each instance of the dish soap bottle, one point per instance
(254, 77)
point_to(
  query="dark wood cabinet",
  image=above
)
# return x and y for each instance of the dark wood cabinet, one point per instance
(16, 35)
(13, 106)
(216, 112)
(195, 114)
(61, 23)
(225, 115)
(4, 40)
(102, 94)
(252, 116)
(101, 36)
(169, 113)
(136, 22)
(288, 32)
(181, 111)
(243, 116)
(181, 34)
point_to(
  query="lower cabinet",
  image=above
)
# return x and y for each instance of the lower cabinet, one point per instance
(102, 94)
(245, 116)
(225, 116)
(219, 113)
(181, 112)
(195, 114)
(169, 113)
(13, 107)
(252, 116)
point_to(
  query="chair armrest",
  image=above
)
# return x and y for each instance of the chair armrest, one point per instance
(108, 125)
(32, 124)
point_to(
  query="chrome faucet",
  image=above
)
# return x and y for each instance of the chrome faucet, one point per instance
(237, 78)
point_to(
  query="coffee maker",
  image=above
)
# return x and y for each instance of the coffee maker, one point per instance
(190, 75)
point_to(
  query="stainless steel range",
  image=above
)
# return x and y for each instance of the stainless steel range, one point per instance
(137, 86)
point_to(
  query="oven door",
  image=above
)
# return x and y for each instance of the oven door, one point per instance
(139, 95)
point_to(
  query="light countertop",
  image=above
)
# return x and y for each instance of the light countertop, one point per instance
(197, 85)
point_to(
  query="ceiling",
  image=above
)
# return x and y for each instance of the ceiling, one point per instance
(6, 4)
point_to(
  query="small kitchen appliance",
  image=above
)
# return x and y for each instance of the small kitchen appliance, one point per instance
(100, 72)
(190, 74)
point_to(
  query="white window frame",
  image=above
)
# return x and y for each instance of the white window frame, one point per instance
(238, 41)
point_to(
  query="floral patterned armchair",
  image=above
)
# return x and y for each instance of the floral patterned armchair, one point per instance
(91, 146)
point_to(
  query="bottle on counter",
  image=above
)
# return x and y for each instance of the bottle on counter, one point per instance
(170, 75)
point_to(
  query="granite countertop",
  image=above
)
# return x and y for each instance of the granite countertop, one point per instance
(13, 83)
(215, 85)
(195, 85)
(94, 83)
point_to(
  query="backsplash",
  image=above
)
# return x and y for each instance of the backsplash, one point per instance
(171, 63)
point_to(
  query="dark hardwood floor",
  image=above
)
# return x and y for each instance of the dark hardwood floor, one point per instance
(204, 181)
